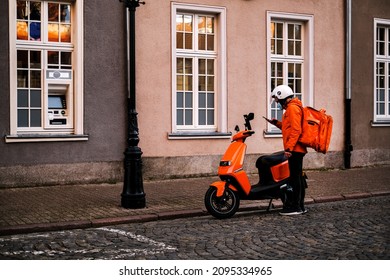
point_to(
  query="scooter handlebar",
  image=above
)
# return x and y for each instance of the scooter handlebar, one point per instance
(249, 132)
(242, 135)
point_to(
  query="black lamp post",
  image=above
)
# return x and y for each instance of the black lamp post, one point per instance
(133, 195)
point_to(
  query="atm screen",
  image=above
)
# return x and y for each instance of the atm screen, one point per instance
(56, 102)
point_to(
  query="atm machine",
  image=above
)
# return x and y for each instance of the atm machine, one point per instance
(59, 100)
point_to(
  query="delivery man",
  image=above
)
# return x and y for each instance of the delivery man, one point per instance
(291, 126)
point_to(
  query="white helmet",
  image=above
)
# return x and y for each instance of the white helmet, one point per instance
(282, 92)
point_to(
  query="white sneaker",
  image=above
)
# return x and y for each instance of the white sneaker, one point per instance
(290, 212)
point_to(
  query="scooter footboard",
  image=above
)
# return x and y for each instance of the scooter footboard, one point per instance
(220, 186)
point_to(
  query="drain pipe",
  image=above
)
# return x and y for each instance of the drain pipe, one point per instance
(348, 95)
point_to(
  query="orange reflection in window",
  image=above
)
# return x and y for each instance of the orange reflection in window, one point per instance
(22, 30)
(65, 33)
(54, 31)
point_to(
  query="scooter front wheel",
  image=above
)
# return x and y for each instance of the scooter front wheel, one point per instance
(221, 207)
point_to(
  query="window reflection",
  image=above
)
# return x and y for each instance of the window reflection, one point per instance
(22, 59)
(65, 13)
(66, 60)
(206, 33)
(29, 21)
(53, 12)
(28, 24)
(59, 28)
(22, 10)
(184, 31)
(59, 60)
(53, 32)
(22, 30)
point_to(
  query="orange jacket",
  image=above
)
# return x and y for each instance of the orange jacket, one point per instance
(291, 126)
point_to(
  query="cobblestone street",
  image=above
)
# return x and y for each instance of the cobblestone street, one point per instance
(352, 229)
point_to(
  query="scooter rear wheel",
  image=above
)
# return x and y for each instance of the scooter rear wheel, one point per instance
(221, 207)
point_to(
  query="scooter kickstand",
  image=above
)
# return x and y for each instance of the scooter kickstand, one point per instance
(269, 205)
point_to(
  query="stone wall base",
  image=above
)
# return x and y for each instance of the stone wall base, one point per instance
(158, 168)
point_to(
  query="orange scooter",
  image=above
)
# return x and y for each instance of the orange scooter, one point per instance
(222, 199)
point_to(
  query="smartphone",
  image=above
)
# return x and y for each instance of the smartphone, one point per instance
(268, 120)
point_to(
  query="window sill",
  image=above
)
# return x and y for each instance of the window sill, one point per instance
(26, 138)
(380, 124)
(272, 134)
(198, 135)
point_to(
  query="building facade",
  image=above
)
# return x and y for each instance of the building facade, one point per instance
(201, 65)
(370, 82)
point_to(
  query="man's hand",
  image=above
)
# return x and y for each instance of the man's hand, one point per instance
(273, 121)
(287, 154)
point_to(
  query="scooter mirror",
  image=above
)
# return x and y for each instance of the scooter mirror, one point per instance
(251, 116)
(248, 118)
(237, 128)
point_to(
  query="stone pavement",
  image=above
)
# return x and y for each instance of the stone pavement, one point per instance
(24, 210)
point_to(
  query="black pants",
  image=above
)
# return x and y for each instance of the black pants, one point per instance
(296, 197)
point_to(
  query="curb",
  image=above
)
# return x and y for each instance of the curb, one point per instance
(171, 215)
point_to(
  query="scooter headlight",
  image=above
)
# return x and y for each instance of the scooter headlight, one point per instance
(224, 163)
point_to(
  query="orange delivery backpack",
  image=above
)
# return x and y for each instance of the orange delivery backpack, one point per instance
(316, 129)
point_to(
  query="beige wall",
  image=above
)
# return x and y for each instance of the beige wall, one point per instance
(246, 72)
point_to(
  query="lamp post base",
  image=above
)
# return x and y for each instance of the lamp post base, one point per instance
(133, 201)
(133, 195)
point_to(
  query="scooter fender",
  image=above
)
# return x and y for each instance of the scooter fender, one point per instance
(220, 186)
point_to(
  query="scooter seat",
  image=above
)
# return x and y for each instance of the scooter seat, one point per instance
(270, 159)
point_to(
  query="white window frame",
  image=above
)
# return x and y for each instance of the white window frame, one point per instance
(77, 133)
(307, 58)
(220, 128)
(382, 120)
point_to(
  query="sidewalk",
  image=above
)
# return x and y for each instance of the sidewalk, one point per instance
(24, 210)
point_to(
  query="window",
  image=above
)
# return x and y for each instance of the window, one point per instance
(382, 72)
(45, 53)
(290, 58)
(198, 72)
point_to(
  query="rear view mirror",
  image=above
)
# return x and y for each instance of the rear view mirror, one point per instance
(247, 119)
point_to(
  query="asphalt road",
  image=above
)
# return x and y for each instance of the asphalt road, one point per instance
(350, 229)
